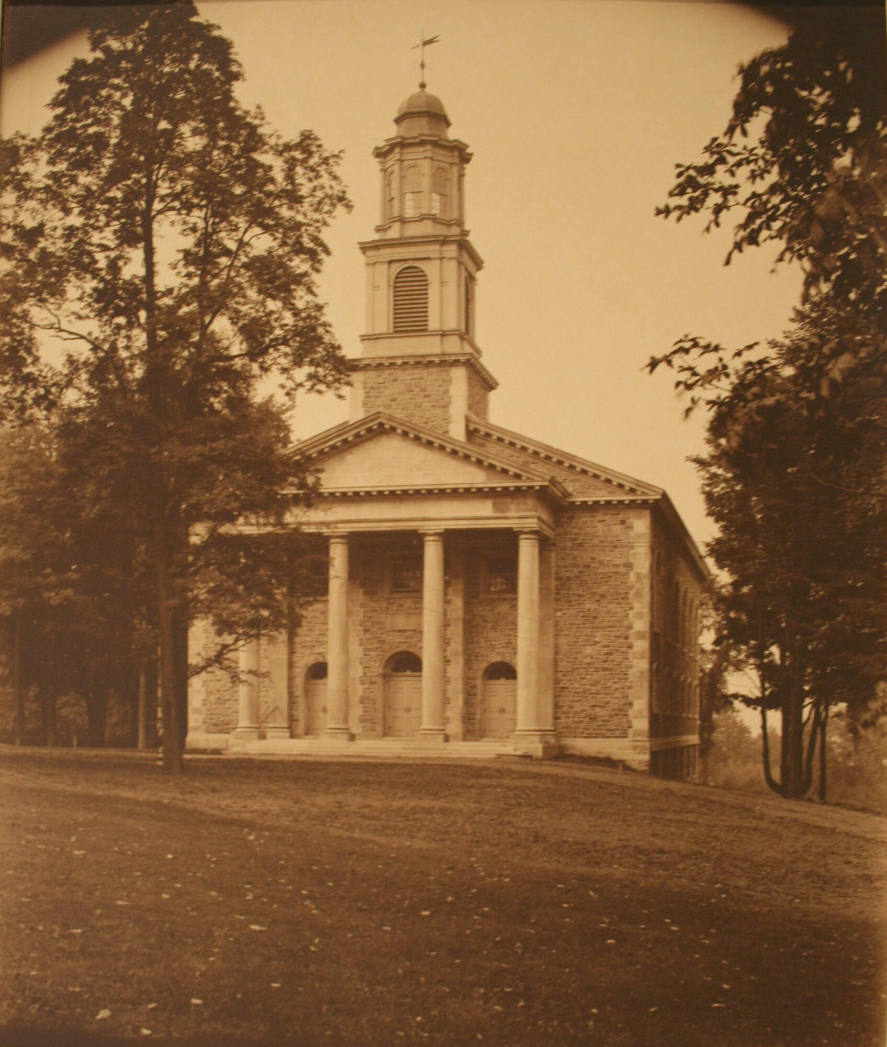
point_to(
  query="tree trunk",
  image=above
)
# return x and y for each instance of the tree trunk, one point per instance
(823, 756)
(141, 711)
(172, 746)
(813, 723)
(96, 714)
(772, 783)
(709, 680)
(180, 626)
(147, 705)
(793, 742)
(48, 700)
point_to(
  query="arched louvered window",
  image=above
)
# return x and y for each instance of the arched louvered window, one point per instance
(411, 300)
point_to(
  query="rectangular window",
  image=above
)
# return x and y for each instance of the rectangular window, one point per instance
(406, 574)
(501, 578)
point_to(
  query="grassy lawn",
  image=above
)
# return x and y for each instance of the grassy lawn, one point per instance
(361, 904)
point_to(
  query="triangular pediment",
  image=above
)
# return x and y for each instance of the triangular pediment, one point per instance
(380, 451)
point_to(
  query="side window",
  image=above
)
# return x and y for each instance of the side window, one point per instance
(469, 305)
(406, 574)
(439, 182)
(389, 193)
(501, 576)
(412, 190)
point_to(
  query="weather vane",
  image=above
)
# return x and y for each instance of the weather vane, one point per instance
(423, 43)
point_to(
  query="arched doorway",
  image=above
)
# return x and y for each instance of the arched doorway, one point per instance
(315, 699)
(498, 701)
(403, 695)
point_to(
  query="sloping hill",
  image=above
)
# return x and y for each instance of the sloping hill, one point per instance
(357, 903)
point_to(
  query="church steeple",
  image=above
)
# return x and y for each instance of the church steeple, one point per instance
(421, 273)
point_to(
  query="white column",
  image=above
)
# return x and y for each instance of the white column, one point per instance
(534, 732)
(527, 629)
(248, 691)
(433, 635)
(337, 638)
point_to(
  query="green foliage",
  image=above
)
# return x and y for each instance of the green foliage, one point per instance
(794, 470)
(160, 248)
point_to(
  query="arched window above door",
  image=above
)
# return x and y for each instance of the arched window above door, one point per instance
(500, 671)
(404, 662)
(317, 671)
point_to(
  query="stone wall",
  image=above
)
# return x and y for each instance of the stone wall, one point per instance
(387, 622)
(595, 622)
(478, 396)
(309, 646)
(419, 394)
(676, 594)
(490, 621)
(212, 695)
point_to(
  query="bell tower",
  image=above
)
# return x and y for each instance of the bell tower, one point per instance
(419, 359)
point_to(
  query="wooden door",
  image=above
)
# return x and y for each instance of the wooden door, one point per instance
(315, 699)
(403, 704)
(499, 704)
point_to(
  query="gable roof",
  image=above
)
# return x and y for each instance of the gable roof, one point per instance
(538, 455)
(612, 486)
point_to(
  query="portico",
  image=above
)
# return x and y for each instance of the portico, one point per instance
(532, 642)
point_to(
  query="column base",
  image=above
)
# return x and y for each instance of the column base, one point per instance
(245, 734)
(339, 734)
(277, 731)
(431, 736)
(539, 744)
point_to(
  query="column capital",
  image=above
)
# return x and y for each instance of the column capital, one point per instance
(431, 532)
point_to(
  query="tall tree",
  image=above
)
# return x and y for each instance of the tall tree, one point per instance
(794, 472)
(169, 241)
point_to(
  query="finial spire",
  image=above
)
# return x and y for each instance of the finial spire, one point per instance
(423, 43)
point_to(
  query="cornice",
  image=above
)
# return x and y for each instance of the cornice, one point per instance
(563, 458)
(673, 519)
(461, 238)
(402, 490)
(365, 363)
(390, 144)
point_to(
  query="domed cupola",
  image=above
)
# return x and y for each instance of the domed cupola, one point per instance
(422, 114)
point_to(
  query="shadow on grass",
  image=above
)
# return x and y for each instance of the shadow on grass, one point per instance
(29, 1036)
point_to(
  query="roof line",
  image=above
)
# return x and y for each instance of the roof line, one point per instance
(571, 461)
(349, 432)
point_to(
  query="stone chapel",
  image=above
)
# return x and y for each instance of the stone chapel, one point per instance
(487, 594)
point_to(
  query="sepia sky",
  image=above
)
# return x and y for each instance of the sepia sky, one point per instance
(576, 112)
